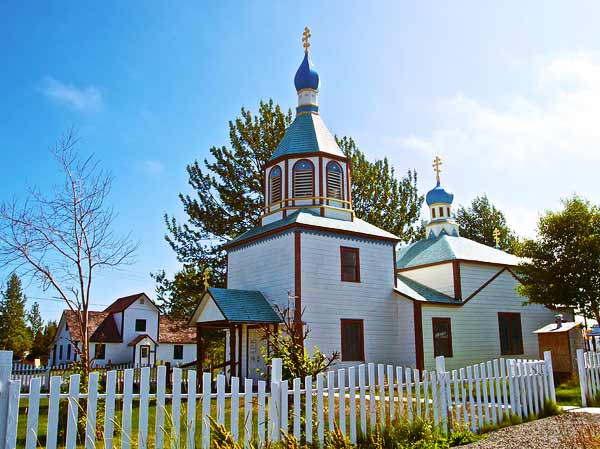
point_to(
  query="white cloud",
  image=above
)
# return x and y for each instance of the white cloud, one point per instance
(86, 98)
(152, 167)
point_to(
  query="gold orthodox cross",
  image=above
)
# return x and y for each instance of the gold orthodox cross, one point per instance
(496, 234)
(437, 163)
(206, 277)
(305, 39)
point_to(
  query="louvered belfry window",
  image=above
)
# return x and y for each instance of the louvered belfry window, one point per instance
(334, 181)
(275, 184)
(304, 173)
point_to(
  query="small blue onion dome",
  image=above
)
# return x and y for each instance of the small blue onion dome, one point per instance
(306, 76)
(438, 195)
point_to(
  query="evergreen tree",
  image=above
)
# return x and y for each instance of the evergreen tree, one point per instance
(479, 220)
(380, 197)
(229, 196)
(562, 265)
(14, 334)
(36, 323)
(40, 348)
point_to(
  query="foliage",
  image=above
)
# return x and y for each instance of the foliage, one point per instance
(14, 333)
(478, 221)
(287, 342)
(36, 322)
(40, 347)
(402, 434)
(229, 195)
(567, 393)
(380, 197)
(562, 265)
(64, 237)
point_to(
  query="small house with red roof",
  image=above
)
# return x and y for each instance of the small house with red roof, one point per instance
(129, 331)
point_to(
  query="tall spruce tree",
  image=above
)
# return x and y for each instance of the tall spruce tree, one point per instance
(229, 196)
(14, 333)
(478, 221)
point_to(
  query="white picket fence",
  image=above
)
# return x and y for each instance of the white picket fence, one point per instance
(588, 364)
(356, 400)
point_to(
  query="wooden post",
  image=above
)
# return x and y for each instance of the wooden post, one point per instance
(5, 369)
(548, 362)
(231, 352)
(199, 353)
(582, 378)
(169, 373)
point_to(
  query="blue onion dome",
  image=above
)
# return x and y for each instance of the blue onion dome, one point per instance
(438, 195)
(306, 76)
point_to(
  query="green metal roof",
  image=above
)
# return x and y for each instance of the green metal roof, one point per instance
(420, 292)
(447, 248)
(307, 134)
(244, 306)
(311, 217)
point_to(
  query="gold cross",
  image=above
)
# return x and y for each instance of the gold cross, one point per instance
(497, 237)
(206, 277)
(305, 39)
(437, 163)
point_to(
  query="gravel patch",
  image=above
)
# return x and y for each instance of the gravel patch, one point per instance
(569, 431)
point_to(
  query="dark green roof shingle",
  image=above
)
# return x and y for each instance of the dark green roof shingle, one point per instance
(420, 292)
(244, 306)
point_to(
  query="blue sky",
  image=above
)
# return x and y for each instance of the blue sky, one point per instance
(508, 93)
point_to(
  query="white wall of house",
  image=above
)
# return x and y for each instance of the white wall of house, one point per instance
(475, 329)
(387, 321)
(113, 354)
(474, 275)
(266, 266)
(165, 351)
(439, 277)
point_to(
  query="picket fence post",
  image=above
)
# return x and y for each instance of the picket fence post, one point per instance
(582, 378)
(440, 367)
(5, 370)
(550, 374)
(275, 399)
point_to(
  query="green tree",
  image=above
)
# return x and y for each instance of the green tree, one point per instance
(229, 195)
(478, 221)
(14, 334)
(380, 197)
(36, 322)
(562, 265)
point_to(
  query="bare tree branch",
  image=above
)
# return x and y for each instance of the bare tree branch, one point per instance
(63, 237)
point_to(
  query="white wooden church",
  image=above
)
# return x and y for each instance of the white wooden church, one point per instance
(361, 294)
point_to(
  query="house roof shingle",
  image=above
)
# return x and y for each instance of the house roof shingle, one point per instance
(311, 218)
(122, 303)
(100, 328)
(244, 306)
(447, 248)
(174, 330)
(419, 292)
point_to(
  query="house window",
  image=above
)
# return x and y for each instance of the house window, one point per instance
(275, 184)
(304, 179)
(511, 336)
(350, 261)
(442, 337)
(353, 341)
(334, 180)
(54, 355)
(99, 351)
(178, 352)
(140, 325)
(60, 352)
(68, 352)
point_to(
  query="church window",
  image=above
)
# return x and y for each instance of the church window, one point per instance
(442, 337)
(433, 212)
(334, 180)
(275, 184)
(350, 262)
(353, 344)
(441, 211)
(511, 336)
(448, 211)
(99, 351)
(304, 174)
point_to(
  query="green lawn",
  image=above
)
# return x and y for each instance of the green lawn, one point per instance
(567, 393)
